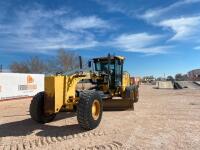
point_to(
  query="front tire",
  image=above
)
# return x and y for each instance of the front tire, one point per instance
(89, 110)
(36, 109)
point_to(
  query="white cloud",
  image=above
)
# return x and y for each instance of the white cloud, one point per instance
(112, 6)
(184, 28)
(129, 9)
(136, 40)
(197, 48)
(149, 15)
(157, 13)
(70, 41)
(40, 30)
(140, 42)
(91, 22)
(37, 29)
(183, 25)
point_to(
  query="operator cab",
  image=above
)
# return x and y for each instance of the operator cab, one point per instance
(111, 69)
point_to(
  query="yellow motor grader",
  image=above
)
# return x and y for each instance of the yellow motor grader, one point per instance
(109, 89)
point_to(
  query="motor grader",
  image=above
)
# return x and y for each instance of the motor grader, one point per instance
(110, 90)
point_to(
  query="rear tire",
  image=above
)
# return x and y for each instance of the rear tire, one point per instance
(87, 117)
(37, 109)
(130, 96)
(136, 94)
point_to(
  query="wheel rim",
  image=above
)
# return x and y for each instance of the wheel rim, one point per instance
(95, 109)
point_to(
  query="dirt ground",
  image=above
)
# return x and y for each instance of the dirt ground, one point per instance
(162, 119)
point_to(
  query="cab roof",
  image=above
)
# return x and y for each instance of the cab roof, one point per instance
(111, 57)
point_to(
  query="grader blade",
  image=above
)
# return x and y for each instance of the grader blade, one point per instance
(117, 104)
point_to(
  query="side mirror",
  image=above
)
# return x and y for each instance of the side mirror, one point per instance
(89, 64)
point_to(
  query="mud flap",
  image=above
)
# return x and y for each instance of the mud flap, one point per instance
(118, 104)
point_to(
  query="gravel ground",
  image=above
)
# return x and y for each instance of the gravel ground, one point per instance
(162, 119)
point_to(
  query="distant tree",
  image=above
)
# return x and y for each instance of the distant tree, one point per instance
(19, 67)
(32, 65)
(170, 78)
(148, 79)
(36, 65)
(63, 61)
(185, 77)
(67, 60)
(180, 77)
(160, 79)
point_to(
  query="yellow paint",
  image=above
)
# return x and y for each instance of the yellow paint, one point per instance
(54, 93)
(61, 91)
(120, 57)
(96, 109)
(126, 80)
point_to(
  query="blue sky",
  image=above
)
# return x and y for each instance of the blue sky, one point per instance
(156, 37)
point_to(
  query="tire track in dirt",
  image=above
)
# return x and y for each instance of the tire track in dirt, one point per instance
(51, 140)
(110, 146)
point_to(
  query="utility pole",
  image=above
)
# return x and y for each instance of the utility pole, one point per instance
(1, 68)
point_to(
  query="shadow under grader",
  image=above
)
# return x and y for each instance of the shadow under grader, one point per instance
(28, 126)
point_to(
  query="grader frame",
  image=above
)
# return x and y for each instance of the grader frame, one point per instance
(111, 90)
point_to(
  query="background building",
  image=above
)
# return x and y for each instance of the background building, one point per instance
(194, 74)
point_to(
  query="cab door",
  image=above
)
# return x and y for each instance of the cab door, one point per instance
(118, 72)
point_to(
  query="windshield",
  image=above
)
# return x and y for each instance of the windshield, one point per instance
(103, 66)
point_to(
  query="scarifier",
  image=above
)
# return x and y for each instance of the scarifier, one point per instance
(104, 86)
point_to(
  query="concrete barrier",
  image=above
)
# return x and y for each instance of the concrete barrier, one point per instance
(16, 85)
(197, 82)
(164, 85)
(188, 84)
